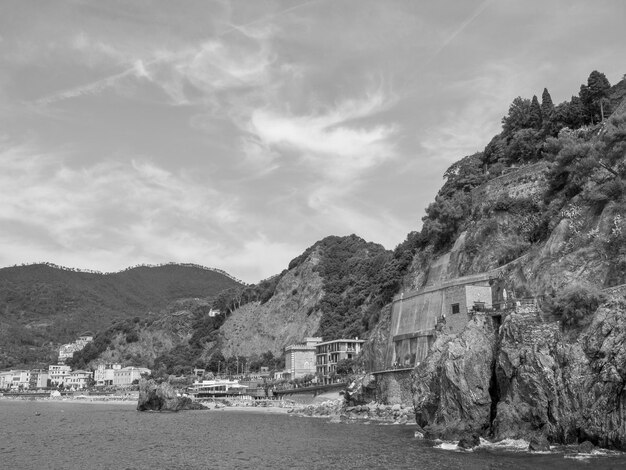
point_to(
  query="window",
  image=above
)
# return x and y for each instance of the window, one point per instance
(456, 308)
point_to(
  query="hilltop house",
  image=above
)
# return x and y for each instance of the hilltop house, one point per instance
(66, 351)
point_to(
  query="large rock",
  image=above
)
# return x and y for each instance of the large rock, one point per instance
(451, 387)
(529, 381)
(568, 389)
(162, 397)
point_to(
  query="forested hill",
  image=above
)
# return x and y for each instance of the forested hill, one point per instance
(43, 305)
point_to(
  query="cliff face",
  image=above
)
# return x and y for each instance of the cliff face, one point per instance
(528, 379)
(288, 317)
(452, 386)
(566, 388)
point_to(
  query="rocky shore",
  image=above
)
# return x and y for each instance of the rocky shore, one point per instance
(163, 397)
(528, 379)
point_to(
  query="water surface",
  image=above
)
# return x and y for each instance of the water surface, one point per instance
(61, 435)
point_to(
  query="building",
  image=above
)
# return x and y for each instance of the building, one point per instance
(126, 376)
(300, 358)
(79, 379)
(58, 374)
(66, 351)
(7, 379)
(15, 379)
(38, 379)
(415, 315)
(329, 353)
(103, 375)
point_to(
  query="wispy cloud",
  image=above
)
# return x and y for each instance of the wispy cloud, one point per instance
(332, 142)
(468, 21)
(135, 211)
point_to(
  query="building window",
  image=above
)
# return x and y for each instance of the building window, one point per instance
(456, 308)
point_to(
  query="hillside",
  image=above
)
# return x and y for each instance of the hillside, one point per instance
(334, 289)
(43, 306)
(540, 214)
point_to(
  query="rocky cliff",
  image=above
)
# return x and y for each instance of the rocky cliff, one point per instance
(528, 379)
(289, 316)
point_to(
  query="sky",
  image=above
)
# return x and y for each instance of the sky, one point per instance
(235, 134)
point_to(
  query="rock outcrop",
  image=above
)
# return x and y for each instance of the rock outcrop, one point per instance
(162, 397)
(530, 380)
(288, 317)
(452, 386)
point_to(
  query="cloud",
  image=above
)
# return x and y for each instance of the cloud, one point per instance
(469, 20)
(116, 213)
(331, 141)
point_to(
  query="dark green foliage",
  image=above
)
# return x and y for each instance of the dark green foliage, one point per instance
(547, 107)
(444, 218)
(570, 114)
(523, 147)
(535, 120)
(519, 116)
(595, 97)
(43, 306)
(574, 304)
(352, 271)
(346, 367)
(229, 300)
(590, 162)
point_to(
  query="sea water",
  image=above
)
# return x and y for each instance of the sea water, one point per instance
(71, 435)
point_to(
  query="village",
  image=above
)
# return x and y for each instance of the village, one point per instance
(312, 361)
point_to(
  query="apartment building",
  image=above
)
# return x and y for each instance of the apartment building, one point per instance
(126, 376)
(104, 374)
(329, 353)
(58, 374)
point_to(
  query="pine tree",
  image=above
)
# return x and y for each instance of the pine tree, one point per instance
(547, 107)
(594, 96)
(535, 113)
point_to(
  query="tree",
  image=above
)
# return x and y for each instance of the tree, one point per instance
(548, 115)
(570, 114)
(547, 107)
(518, 117)
(594, 96)
(346, 367)
(534, 118)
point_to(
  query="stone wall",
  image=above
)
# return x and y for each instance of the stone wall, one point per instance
(526, 182)
(393, 387)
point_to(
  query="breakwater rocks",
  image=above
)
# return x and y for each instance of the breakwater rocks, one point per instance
(163, 397)
(373, 412)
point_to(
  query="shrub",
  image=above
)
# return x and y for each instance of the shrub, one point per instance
(575, 303)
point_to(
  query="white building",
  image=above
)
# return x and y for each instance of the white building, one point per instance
(104, 374)
(66, 351)
(6, 379)
(126, 376)
(78, 379)
(58, 374)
